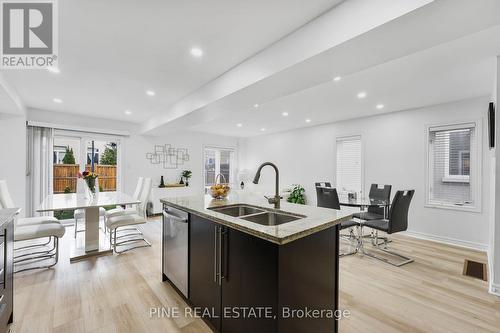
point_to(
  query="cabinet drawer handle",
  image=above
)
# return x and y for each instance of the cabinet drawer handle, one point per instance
(225, 252)
(220, 256)
(174, 217)
(215, 254)
(4, 269)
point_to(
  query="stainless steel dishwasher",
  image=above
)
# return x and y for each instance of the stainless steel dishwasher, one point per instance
(175, 247)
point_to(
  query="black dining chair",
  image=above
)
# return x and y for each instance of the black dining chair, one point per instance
(324, 184)
(327, 197)
(397, 222)
(376, 213)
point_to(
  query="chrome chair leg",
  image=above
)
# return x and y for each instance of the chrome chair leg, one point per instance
(115, 243)
(406, 260)
(54, 255)
(350, 238)
(46, 251)
(34, 245)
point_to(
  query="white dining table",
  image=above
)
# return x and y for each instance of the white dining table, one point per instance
(94, 242)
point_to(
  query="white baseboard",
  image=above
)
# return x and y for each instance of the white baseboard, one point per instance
(494, 289)
(448, 240)
(490, 272)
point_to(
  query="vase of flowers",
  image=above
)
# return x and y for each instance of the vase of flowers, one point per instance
(89, 178)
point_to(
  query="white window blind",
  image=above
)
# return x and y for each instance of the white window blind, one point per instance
(349, 170)
(451, 165)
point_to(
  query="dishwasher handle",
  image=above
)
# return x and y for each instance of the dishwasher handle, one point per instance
(175, 217)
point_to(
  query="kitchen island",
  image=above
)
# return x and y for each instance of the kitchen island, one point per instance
(246, 267)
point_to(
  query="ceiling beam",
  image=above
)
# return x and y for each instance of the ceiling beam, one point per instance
(340, 24)
(10, 100)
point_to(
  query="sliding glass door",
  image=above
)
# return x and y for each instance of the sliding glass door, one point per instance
(75, 152)
(102, 158)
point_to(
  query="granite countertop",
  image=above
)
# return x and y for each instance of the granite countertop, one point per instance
(317, 219)
(7, 214)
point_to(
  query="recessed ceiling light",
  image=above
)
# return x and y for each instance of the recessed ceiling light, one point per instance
(256, 105)
(380, 106)
(54, 70)
(57, 100)
(337, 78)
(150, 93)
(262, 129)
(196, 52)
(128, 112)
(285, 114)
(308, 120)
(239, 124)
(362, 95)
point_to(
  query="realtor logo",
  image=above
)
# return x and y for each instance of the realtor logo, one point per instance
(29, 34)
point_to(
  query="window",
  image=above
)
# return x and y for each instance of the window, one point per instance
(453, 166)
(68, 160)
(349, 168)
(219, 161)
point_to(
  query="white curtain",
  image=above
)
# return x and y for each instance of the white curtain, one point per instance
(39, 167)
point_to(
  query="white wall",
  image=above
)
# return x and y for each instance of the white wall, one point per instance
(494, 251)
(136, 165)
(13, 156)
(135, 147)
(394, 147)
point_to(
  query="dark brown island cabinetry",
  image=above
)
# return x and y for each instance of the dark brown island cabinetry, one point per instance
(240, 283)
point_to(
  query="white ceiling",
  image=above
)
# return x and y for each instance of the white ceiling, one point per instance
(112, 51)
(7, 105)
(426, 57)
(452, 71)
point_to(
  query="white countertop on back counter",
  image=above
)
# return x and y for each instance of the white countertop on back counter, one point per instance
(317, 219)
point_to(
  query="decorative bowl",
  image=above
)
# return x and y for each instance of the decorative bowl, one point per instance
(220, 190)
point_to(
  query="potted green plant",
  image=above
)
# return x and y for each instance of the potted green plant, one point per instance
(297, 195)
(187, 174)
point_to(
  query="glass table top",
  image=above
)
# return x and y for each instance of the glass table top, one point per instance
(362, 202)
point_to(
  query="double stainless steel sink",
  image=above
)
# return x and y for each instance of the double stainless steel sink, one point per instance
(258, 215)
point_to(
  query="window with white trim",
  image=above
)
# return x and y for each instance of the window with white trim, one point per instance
(219, 161)
(349, 168)
(453, 165)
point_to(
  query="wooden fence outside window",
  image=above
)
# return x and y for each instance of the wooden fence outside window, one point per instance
(65, 176)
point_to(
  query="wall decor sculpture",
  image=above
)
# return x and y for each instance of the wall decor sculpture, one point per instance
(170, 157)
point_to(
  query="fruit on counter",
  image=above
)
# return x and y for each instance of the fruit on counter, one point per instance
(219, 190)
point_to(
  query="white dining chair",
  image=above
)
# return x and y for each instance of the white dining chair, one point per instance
(30, 229)
(127, 220)
(7, 202)
(26, 255)
(131, 209)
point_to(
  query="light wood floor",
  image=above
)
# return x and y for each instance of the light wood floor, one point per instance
(115, 293)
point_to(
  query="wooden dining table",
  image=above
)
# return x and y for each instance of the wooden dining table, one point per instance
(94, 241)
